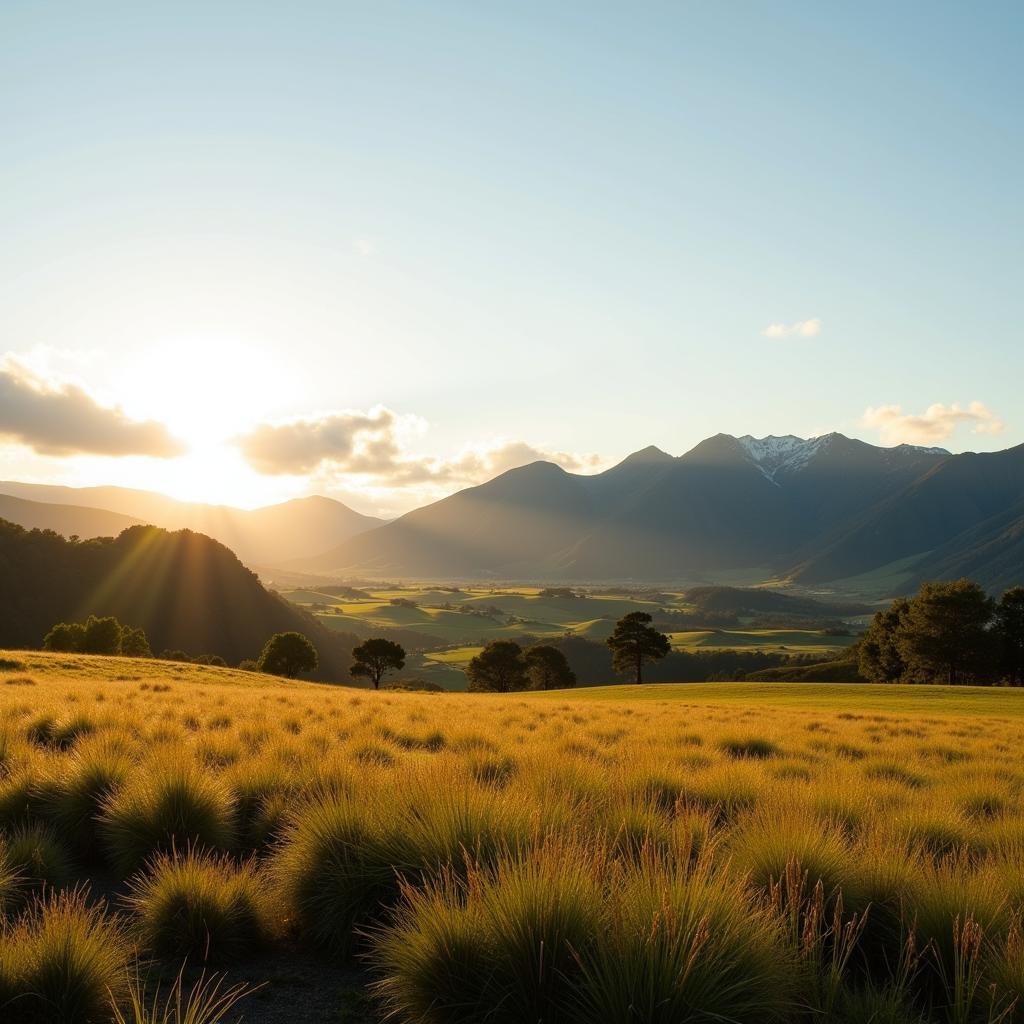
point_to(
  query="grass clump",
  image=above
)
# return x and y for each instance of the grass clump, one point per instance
(207, 1001)
(200, 906)
(63, 960)
(754, 747)
(174, 806)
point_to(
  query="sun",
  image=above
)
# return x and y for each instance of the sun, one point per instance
(207, 389)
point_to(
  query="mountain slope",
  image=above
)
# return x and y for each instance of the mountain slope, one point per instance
(991, 553)
(520, 519)
(949, 500)
(69, 520)
(728, 504)
(265, 536)
(186, 590)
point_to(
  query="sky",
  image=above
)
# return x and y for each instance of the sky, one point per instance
(253, 250)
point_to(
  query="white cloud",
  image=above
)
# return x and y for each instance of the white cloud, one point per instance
(798, 329)
(60, 418)
(937, 423)
(373, 448)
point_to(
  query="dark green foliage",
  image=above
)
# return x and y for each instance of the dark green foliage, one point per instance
(102, 635)
(134, 643)
(548, 669)
(1008, 628)
(67, 637)
(98, 636)
(288, 654)
(184, 590)
(880, 658)
(209, 659)
(170, 655)
(375, 657)
(498, 668)
(943, 634)
(635, 643)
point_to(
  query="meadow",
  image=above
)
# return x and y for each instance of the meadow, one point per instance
(454, 623)
(667, 853)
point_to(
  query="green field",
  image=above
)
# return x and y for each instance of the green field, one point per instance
(995, 702)
(457, 620)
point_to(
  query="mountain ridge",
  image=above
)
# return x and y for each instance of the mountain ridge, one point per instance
(782, 506)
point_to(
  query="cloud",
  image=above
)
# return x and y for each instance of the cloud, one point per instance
(63, 419)
(301, 445)
(798, 329)
(374, 446)
(935, 424)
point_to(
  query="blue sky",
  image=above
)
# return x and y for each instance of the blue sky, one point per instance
(518, 228)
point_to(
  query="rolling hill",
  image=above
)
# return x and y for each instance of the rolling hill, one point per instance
(68, 520)
(811, 511)
(261, 536)
(186, 590)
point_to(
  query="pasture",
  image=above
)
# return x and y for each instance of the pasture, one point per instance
(714, 852)
(453, 624)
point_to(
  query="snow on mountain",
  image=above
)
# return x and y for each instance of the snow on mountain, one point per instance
(789, 454)
(774, 454)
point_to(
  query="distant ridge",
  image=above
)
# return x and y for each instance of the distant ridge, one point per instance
(812, 510)
(185, 590)
(262, 536)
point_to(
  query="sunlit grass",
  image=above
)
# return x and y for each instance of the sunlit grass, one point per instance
(556, 857)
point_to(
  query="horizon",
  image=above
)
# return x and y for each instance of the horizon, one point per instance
(385, 253)
(586, 471)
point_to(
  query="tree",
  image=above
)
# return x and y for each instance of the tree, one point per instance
(134, 643)
(498, 668)
(634, 643)
(102, 635)
(1008, 632)
(548, 669)
(375, 657)
(288, 654)
(944, 633)
(879, 656)
(67, 637)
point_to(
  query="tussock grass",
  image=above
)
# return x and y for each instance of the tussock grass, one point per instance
(448, 838)
(201, 907)
(63, 960)
(174, 805)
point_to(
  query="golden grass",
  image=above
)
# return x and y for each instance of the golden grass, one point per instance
(377, 816)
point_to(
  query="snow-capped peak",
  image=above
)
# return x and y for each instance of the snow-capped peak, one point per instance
(772, 454)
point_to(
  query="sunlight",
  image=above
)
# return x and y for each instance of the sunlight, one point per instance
(204, 387)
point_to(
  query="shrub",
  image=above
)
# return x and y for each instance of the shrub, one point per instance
(172, 806)
(200, 906)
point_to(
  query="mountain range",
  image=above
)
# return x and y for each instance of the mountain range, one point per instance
(264, 536)
(828, 512)
(812, 512)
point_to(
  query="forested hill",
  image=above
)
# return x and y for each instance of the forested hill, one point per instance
(185, 590)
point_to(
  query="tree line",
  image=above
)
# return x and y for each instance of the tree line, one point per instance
(948, 632)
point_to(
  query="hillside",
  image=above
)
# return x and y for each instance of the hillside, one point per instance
(814, 510)
(68, 520)
(186, 590)
(261, 536)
